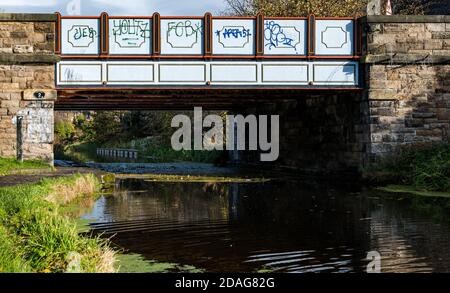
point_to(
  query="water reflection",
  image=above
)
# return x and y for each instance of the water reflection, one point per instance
(285, 226)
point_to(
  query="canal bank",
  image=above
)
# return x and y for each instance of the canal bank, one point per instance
(37, 236)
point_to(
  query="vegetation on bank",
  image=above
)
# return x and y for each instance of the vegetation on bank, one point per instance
(10, 165)
(35, 235)
(424, 169)
(406, 189)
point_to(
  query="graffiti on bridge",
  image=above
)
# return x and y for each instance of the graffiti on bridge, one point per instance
(234, 36)
(276, 37)
(131, 33)
(80, 36)
(234, 32)
(184, 34)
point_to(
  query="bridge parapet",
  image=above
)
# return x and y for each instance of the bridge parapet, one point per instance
(208, 51)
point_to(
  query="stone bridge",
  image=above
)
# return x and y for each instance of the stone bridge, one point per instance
(403, 97)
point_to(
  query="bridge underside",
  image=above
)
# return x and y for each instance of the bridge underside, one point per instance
(182, 99)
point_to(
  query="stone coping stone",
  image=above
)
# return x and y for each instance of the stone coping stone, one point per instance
(406, 59)
(13, 59)
(408, 19)
(29, 17)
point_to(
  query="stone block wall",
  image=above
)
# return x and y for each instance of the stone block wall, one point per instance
(18, 37)
(408, 82)
(409, 36)
(27, 66)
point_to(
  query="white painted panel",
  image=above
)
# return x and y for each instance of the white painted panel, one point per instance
(285, 37)
(234, 73)
(130, 36)
(335, 73)
(182, 73)
(185, 73)
(281, 73)
(80, 36)
(181, 36)
(334, 37)
(81, 73)
(130, 72)
(233, 36)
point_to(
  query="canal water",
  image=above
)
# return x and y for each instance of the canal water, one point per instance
(281, 225)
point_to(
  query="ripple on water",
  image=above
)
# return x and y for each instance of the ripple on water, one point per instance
(234, 227)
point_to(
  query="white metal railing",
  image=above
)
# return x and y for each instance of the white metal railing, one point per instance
(117, 153)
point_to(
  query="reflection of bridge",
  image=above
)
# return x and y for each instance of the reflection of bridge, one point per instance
(202, 53)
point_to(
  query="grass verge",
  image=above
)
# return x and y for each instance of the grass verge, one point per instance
(411, 190)
(35, 236)
(9, 166)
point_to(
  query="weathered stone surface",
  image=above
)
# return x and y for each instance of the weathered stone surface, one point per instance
(24, 37)
(414, 71)
(435, 27)
(38, 118)
(31, 17)
(28, 58)
(26, 66)
(23, 49)
(406, 19)
(407, 42)
(420, 102)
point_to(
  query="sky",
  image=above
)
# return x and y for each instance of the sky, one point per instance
(115, 7)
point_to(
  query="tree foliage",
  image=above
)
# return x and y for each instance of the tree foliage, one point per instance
(64, 131)
(337, 8)
(106, 125)
(421, 7)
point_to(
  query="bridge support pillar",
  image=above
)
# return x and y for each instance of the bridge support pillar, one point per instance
(27, 85)
(408, 82)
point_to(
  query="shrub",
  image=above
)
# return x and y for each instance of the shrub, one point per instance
(424, 168)
(64, 131)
